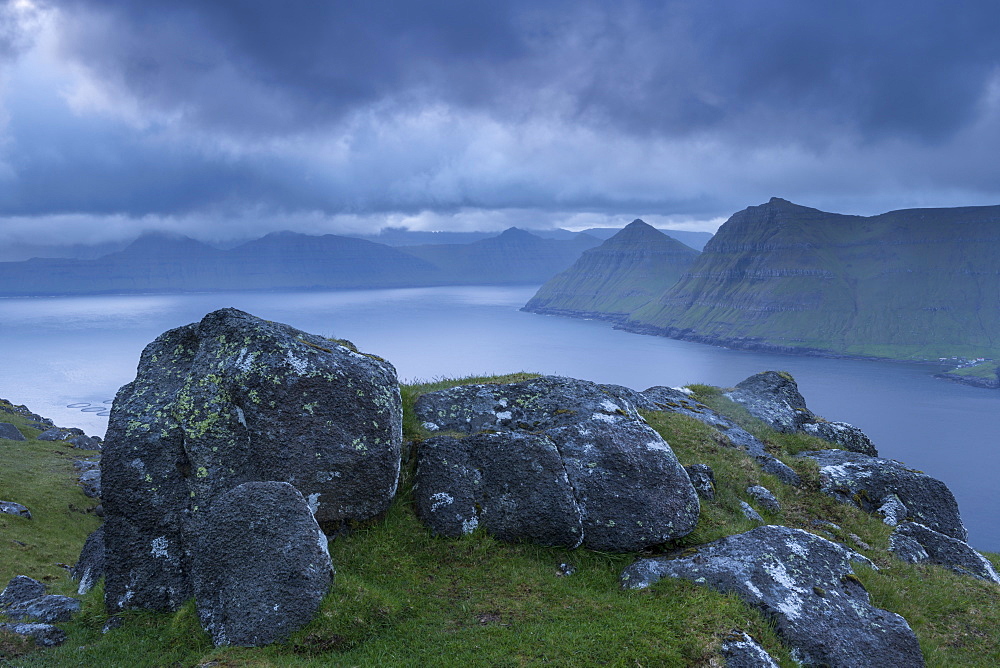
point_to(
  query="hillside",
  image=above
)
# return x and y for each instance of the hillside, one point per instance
(404, 597)
(636, 265)
(912, 284)
(514, 256)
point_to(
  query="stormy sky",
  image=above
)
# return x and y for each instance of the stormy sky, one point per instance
(225, 120)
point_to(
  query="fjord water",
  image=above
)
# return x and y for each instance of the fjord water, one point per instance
(77, 351)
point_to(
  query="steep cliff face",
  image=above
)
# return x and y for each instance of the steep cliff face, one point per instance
(909, 284)
(624, 273)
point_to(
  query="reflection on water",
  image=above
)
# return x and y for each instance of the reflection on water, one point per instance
(62, 353)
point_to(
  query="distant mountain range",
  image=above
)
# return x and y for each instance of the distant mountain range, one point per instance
(632, 268)
(160, 262)
(915, 284)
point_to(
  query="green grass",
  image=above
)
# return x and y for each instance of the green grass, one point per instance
(404, 597)
(985, 370)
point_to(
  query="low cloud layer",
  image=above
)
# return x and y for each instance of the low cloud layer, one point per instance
(224, 119)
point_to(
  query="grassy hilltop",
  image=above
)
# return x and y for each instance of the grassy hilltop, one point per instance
(403, 597)
(914, 284)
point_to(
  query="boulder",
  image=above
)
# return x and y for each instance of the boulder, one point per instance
(11, 508)
(261, 565)
(10, 432)
(89, 566)
(46, 609)
(513, 485)
(916, 543)
(703, 480)
(675, 400)
(234, 399)
(91, 483)
(532, 405)
(892, 510)
(85, 442)
(554, 460)
(867, 482)
(742, 651)
(773, 397)
(764, 497)
(805, 584)
(847, 436)
(44, 635)
(55, 434)
(750, 513)
(21, 589)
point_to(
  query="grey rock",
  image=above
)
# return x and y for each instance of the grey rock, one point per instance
(802, 582)
(11, 508)
(44, 635)
(45, 609)
(892, 510)
(703, 480)
(742, 651)
(89, 566)
(916, 543)
(843, 434)
(553, 460)
(773, 397)
(673, 400)
(55, 434)
(865, 481)
(764, 497)
(750, 513)
(261, 565)
(10, 432)
(532, 405)
(234, 399)
(21, 589)
(85, 442)
(91, 483)
(513, 485)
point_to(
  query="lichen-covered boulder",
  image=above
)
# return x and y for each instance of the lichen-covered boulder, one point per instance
(773, 397)
(532, 405)
(806, 584)
(89, 566)
(513, 485)
(868, 482)
(229, 400)
(843, 434)
(21, 589)
(678, 400)
(261, 565)
(742, 651)
(554, 460)
(915, 543)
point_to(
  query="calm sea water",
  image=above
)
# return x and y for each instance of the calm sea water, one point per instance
(62, 352)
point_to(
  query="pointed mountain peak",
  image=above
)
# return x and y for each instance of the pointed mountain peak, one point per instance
(516, 233)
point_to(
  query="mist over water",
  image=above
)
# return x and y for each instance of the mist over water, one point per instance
(78, 351)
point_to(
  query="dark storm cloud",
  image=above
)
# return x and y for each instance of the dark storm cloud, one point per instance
(915, 68)
(188, 108)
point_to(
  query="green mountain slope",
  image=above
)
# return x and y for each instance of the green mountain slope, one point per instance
(909, 284)
(625, 272)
